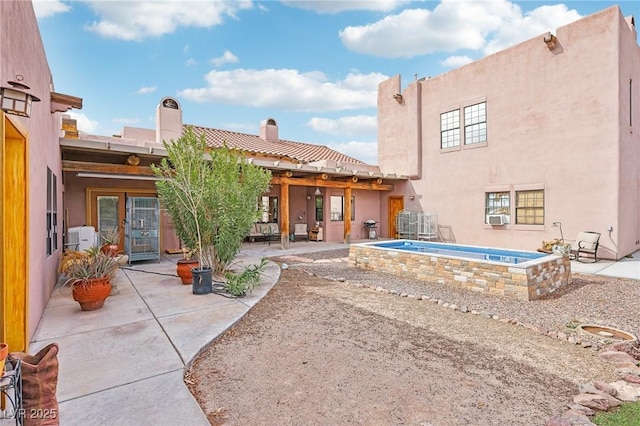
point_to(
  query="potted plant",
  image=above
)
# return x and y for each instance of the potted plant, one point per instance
(185, 265)
(89, 277)
(210, 195)
(110, 241)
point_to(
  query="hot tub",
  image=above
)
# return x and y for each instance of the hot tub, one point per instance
(524, 275)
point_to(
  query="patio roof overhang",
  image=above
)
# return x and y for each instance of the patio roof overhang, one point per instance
(355, 176)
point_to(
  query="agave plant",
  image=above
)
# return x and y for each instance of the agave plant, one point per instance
(81, 270)
(110, 236)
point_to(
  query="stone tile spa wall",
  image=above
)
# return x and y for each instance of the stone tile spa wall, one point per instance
(526, 281)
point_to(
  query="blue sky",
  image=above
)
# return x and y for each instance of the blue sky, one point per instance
(313, 66)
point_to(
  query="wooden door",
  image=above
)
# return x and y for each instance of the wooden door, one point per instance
(107, 210)
(396, 205)
(14, 225)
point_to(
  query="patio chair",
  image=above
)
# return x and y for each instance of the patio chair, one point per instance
(300, 230)
(586, 244)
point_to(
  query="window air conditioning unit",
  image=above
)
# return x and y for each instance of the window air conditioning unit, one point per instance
(82, 237)
(498, 219)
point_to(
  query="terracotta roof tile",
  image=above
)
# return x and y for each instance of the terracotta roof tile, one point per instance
(298, 151)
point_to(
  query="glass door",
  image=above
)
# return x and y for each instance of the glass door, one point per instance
(107, 212)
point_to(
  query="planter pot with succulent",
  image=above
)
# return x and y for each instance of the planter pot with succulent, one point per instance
(210, 195)
(110, 241)
(89, 278)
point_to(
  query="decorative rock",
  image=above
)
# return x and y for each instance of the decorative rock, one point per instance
(418, 297)
(632, 348)
(411, 296)
(557, 421)
(629, 370)
(617, 357)
(392, 291)
(577, 418)
(464, 309)
(440, 302)
(434, 300)
(626, 392)
(586, 410)
(631, 378)
(562, 336)
(605, 387)
(585, 344)
(474, 312)
(403, 294)
(596, 402)
(445, 305)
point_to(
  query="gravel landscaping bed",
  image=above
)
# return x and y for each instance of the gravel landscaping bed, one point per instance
(589, 299)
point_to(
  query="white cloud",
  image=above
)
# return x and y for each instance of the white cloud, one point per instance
(190, 62)
(456, 61)
(136, 20)
(324, 6)
(146, 90)
(84, 123)
(452, 25)
(288, 89)
(363, 151)
(538, 21)
(46, 8)
(345, 126)
(226, 58)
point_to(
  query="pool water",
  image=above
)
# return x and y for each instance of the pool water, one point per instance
(513, 257)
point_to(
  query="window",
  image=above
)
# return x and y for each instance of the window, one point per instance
(450, 129)
(497, 203)
(319, 209)
(475, 123)
(52, 213)
(530, 207)
(337, 208)
(269, 209)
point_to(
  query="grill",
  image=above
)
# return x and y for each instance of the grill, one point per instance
(370, 227)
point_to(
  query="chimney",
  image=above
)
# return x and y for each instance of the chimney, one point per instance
(269, 130)
(168, 120)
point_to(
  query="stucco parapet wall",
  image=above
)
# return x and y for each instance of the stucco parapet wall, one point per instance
(527, 281)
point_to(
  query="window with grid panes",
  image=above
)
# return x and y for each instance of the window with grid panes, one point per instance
(530, 207)
(497, 203)
(475, 123)
(450, 129)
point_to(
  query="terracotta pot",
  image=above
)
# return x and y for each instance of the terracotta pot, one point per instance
(110, 249)
(91, 295)
(4, 351)
(184, 270)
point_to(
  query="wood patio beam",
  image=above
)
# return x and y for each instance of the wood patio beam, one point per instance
(375, 186)
(120, 169)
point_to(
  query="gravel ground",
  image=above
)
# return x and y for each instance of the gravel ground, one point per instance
(589, 299)
(320, 349)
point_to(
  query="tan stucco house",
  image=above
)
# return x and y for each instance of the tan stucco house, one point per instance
(545, 131)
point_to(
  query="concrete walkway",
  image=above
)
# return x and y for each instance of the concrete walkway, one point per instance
(124, 364)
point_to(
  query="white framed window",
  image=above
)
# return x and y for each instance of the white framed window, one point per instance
(497, 208)
(337, 208)
(450, 129)
(475, 123)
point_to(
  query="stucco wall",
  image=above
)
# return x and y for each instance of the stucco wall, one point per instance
(552, 123)
(20, 34)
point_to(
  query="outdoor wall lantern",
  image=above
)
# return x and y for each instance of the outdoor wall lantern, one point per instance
(15, 100)
(398, 98)
(318, 191)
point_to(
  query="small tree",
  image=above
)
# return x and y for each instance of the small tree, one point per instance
(211, 196)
